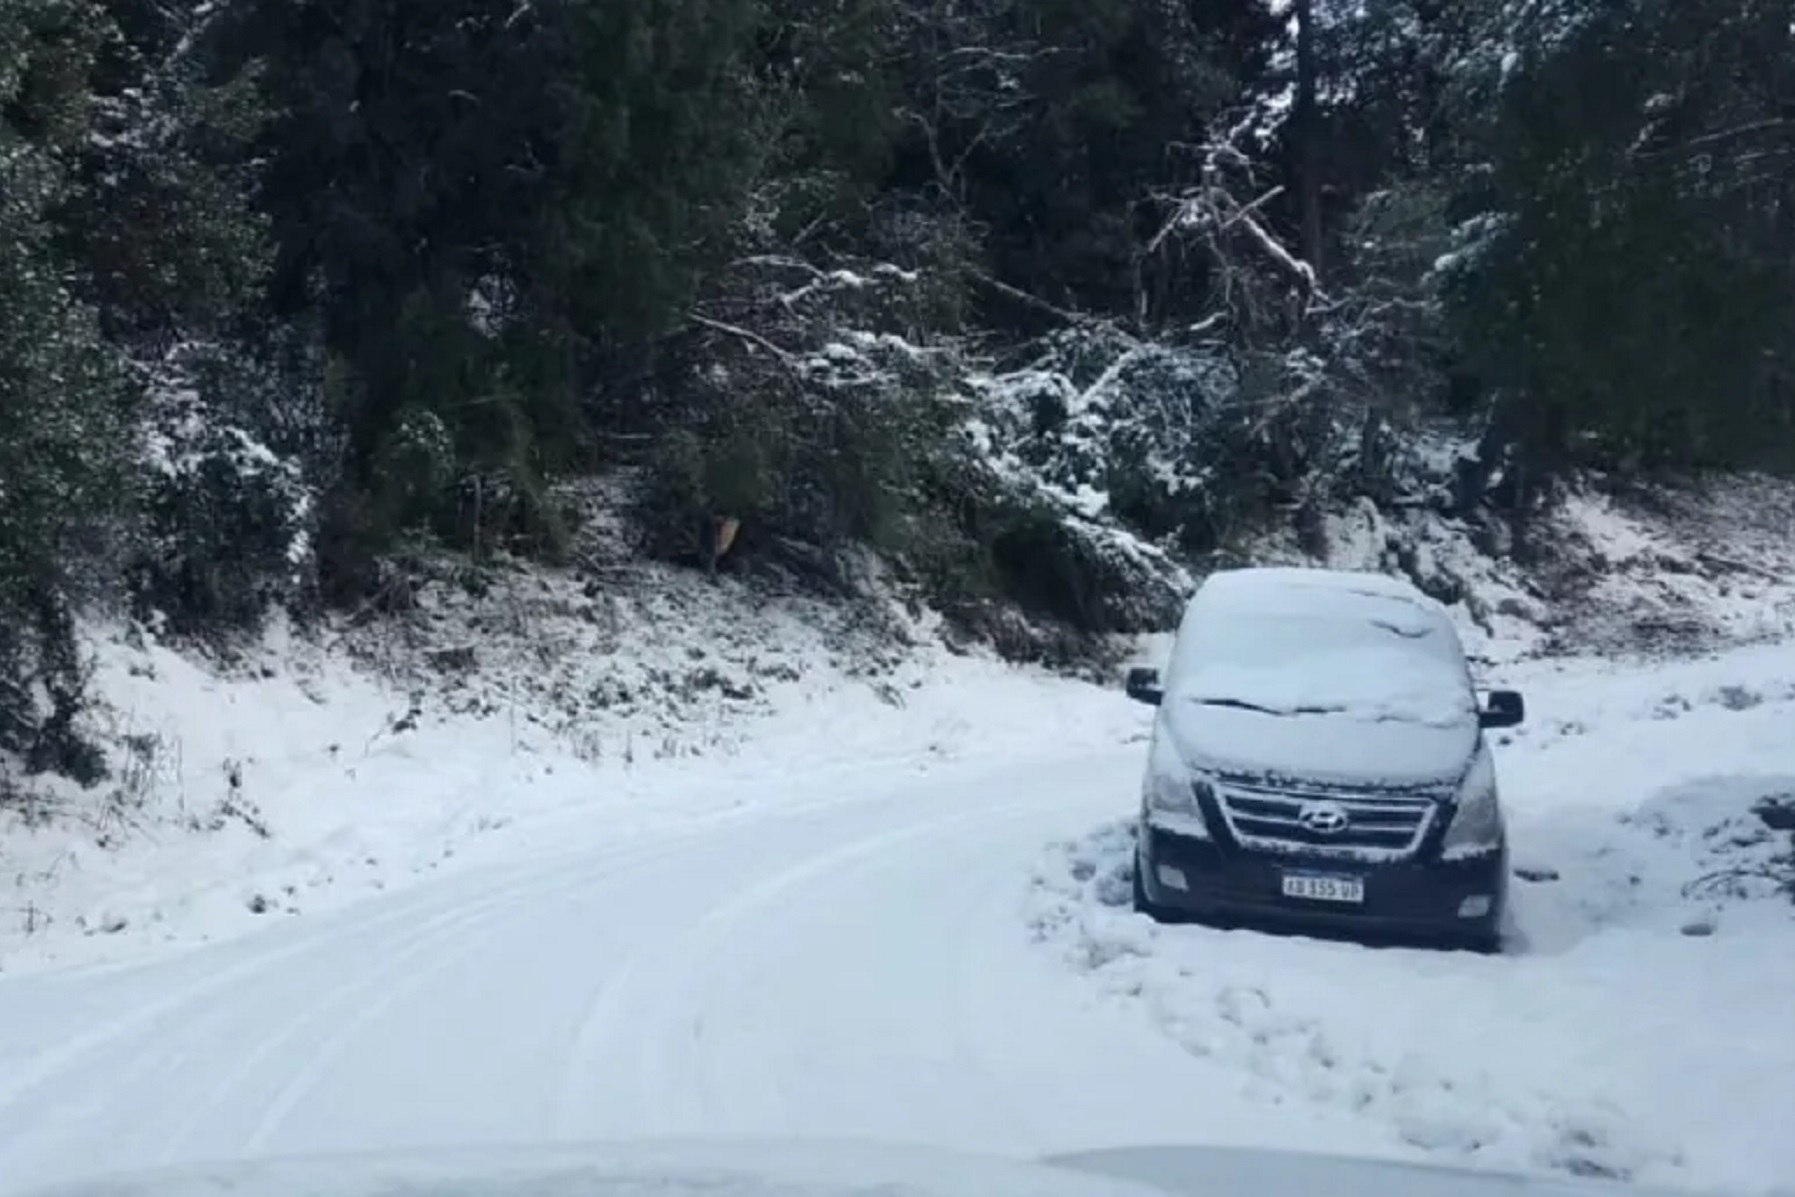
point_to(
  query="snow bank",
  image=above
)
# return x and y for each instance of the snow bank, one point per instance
(1638, 1026)
(311, 771)
(1647, 572)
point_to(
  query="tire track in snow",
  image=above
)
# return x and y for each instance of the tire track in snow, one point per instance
(665, 984)
(670, 1056)
(616, 1028)
(197, 1037)
(333, 929)
(972, 1000)
(443, 947)
(579, 872)
(667, 845)
(454, 931)
(454, 937)
(470, 901)
(53, 1063)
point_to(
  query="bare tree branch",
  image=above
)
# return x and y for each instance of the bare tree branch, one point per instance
(748, 335)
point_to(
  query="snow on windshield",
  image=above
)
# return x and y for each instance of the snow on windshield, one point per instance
(1276, 641)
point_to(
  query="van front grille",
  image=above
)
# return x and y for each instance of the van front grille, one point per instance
(1354, 824)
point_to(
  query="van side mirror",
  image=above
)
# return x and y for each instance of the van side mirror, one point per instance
(1142, 685)
(1505, 708)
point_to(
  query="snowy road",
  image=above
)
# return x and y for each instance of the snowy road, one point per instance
(908, 965)
(862, 969)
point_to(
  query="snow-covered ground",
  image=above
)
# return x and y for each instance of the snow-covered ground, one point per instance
(292, 785)
(692, 862)
(1639, 1023)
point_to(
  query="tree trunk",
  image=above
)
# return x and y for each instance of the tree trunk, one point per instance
(1308, 136)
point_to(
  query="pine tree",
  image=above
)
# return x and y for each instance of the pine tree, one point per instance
(64, 433)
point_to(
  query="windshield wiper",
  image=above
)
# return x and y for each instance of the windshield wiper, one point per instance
(1240, 704)
(1236, 704)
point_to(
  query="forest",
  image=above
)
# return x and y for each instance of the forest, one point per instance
(1034, 299)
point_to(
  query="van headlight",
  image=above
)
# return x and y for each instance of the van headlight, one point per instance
(1169, 791)
(1476, 828)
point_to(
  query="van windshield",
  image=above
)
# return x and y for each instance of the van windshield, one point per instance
(1362, 658)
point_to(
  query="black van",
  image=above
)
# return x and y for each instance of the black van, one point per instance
(1318, 756)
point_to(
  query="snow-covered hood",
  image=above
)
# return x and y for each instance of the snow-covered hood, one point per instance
(659, 1169)
(818, 1169)
(1226, 1172)
(1344, 746)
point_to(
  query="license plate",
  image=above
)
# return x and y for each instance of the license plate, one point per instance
(1316, 888)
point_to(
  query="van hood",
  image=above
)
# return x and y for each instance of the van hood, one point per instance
(1338, 745)
(819, 1168)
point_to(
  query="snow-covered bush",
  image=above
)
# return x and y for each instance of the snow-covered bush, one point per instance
(1075, 478)
(226, 519)
(1152, 446)
(826, 409)
(1153, 455)
(813, 408)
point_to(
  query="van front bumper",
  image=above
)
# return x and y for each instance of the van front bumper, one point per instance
(1460, 900)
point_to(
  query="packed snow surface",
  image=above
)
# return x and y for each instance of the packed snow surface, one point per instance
(910, 924)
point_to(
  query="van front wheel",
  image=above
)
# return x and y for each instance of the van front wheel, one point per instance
(1142, 903)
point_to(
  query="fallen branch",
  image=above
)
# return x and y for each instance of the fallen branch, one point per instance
(749, 335)
(1031, 301)
(1716, 561)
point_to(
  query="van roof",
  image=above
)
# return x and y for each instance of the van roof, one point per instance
(1293, 588)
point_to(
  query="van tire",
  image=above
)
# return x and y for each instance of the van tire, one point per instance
(1142, 903)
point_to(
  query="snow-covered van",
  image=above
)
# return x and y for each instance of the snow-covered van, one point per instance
(1318, 756)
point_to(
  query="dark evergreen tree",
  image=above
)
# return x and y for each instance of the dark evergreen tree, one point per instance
(65, 434)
